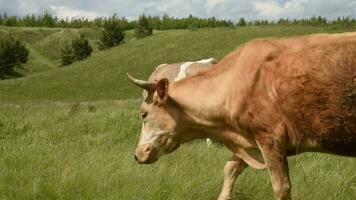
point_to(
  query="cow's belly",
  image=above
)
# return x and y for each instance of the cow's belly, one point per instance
(341, 140)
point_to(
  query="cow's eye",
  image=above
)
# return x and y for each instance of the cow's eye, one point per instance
(144, 115)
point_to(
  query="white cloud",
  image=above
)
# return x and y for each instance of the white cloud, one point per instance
(63, 12)
(306, 8)
(210, 4)
(223, 9)
(268, 9)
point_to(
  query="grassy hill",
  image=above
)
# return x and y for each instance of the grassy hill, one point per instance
(103, 76)
(70, 133)
(45, 45)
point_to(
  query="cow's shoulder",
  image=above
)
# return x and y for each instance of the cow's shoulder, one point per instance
(262, 50)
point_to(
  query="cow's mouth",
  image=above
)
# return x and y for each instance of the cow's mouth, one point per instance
(147, 161)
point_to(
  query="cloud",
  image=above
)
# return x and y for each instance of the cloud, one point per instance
(307, 8)
(63, 12)
(222, 9)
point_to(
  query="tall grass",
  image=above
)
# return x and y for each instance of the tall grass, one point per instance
(68, 151)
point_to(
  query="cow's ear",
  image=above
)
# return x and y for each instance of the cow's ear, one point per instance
(162, 89)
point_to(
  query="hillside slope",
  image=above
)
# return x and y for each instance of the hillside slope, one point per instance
(45, 45)
(103, 76)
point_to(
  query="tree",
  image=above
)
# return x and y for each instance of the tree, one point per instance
(12, 53)
(67, 55)
(112, 33)
(48, 20)
(81, 48)
(242, 22)
(10, 21)
(143, 28)
(78, 50)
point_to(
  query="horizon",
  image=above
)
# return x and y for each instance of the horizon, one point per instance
(220, 9)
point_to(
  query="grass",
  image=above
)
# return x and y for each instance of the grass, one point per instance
(70, 133)
(64, 151)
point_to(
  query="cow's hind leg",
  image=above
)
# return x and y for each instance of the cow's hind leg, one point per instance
(233, 168)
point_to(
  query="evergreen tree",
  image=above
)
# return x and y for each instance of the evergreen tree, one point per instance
(67, 55)
(12, 53)
(143, 28)
(242, 22)
(78, 50)
(81, 48)
(112, 33)
(48, 20)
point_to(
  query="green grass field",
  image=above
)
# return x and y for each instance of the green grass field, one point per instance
(70, 133)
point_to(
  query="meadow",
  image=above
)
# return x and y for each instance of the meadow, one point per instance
(70, 132)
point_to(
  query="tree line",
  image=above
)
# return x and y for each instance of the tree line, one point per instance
(160, 23)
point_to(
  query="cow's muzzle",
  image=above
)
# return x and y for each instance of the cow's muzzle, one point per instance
(146, 154)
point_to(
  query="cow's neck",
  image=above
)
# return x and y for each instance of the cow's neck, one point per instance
(203, 99)
(213, 101)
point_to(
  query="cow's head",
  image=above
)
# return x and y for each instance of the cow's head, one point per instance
(160, 117)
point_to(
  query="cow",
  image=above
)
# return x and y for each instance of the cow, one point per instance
(267, 100)
(178, 71)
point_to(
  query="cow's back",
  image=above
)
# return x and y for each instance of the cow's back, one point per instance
(173, 71)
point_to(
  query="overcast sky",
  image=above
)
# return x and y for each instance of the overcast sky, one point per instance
(222, 9)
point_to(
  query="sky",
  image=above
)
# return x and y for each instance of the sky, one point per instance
(221, 9)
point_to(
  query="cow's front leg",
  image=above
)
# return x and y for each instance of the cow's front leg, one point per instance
(233, 168)
(277, 165)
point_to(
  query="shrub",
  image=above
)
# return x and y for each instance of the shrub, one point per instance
(143, 28)
(242, 22)
(79, 49)
(12, 53)
(67, 55)
(112, 33)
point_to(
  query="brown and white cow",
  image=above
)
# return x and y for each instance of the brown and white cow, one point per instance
(267, 100)
(177, 71)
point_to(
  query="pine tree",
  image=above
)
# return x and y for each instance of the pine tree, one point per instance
(143, 28)
(112, 33)
(12, 53)
(242, 22)
(78, 50)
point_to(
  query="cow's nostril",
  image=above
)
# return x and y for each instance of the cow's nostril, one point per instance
(135, 157)
(147, 149)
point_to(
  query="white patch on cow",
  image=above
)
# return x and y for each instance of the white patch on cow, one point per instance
(183, 68)
(161, 65)
(152, 139)
(182, 71)
(148, 138)
(209, 60)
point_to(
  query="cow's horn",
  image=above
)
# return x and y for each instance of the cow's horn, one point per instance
(142, 84)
